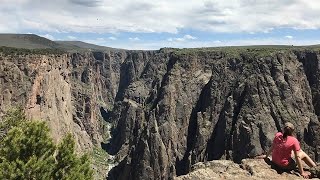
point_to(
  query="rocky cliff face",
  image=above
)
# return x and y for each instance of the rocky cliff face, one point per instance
(69, 91)
(170, 109)
(212, 105)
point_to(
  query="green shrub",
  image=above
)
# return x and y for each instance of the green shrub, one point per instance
(28, 152)
(21, 51)
(12, 118)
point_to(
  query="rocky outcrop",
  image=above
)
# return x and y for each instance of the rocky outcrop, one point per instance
(315, 171)
(170, 109)
(207, 105)
(252, 169)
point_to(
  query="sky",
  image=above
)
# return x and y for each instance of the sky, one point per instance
(152, 24)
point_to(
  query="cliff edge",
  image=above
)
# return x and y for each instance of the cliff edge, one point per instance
(251, 169)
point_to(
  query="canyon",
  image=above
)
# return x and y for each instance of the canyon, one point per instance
(159, 112)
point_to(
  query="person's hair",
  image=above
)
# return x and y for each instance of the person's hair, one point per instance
(287, 131)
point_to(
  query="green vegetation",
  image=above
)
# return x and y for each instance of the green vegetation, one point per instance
(20, 51)
(238, 51)
(229, 51)
(11, 119)
(27, 152)
(68, 165)
(101, 162)
(100, 156)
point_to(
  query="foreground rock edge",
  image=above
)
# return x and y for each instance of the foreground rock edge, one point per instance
(248, 169)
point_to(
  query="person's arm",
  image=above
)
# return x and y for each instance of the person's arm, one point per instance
(263, 156)
(270, 151)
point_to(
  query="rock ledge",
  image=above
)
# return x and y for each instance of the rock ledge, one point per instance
(248, 169)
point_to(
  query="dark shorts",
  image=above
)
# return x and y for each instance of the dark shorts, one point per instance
(291, 166)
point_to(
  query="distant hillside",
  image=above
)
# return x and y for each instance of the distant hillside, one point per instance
(27, 41)
(32, 41)
(79, 45)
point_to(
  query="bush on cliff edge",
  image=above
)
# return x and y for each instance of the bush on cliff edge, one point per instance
(28, 152)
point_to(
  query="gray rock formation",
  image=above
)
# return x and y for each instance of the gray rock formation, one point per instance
(252, 169)
(315, 171)
(170, 109)
(213, 105)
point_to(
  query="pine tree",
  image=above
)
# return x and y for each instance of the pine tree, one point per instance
(68, 165)
(11, 119)
(27, 152)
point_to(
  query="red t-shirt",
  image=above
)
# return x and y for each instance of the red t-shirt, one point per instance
(282, 148)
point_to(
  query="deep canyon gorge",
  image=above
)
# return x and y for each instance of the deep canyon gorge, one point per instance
(159, 112)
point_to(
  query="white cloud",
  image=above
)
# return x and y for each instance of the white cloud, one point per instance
(72, 37)
(189, 37)
(289, 37)
(48, 36)
(134, 39)
(102, 16)
(184, 38)
(112, 38)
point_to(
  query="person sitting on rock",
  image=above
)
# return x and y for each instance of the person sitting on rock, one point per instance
(284, 147)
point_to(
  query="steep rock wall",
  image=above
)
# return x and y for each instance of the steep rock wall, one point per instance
(66, 90)
(208, 105)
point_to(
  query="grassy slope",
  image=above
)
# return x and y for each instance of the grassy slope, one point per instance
(79, 45)
(32, 41)
(26, 41)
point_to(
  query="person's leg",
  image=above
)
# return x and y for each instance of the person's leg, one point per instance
(306, 158)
